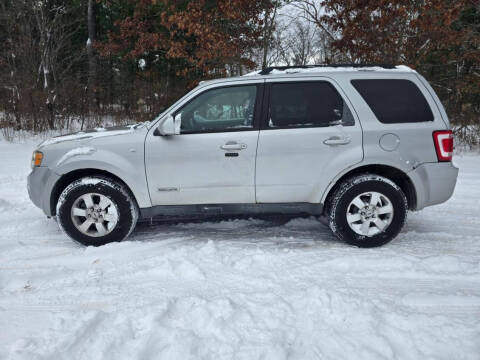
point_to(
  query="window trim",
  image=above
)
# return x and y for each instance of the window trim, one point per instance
(394, 79)
(267, 102)
(256, 111)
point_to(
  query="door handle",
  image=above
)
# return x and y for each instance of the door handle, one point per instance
(232, 145)
(337, 140)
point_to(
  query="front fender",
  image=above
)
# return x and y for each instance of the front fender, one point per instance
(129, 167)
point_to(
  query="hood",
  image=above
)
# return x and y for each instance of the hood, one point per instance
(92, 134)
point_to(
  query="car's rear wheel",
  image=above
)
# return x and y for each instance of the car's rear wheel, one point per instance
(367, 210)
(96, 211)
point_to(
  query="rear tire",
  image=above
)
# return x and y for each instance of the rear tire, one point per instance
(96, 211)
(367, 210)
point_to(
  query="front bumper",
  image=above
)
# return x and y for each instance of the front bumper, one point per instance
(40, 184)
(434, 183)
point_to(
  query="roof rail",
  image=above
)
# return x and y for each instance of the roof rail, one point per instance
(269, 69)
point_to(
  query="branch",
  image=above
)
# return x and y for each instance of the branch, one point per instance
(311, 13)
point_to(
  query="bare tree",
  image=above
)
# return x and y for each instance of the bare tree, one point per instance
(324, 53)
(268, 31)
(299, 42)
(302, 43)
(313, 12)
(55, 31)
(47, 18)
(37, 40)
(92, 61)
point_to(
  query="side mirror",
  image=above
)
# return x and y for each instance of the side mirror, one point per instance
(170, 126)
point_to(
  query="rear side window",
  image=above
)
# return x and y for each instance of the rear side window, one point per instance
(394, 100)
(306, 104)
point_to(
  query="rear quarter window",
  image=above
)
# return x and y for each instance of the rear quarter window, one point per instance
(394, 100)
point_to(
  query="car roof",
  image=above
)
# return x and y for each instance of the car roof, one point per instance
(292, 72)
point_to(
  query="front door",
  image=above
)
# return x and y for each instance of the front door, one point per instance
(212, 161)
(308, 136)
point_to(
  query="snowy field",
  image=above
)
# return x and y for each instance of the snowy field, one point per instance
(239, 289)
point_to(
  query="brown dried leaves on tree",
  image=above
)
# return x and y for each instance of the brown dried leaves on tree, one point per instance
(394, 31)
(205, 34)
(440, 38)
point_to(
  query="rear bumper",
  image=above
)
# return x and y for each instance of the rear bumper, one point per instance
(40, 186)
(434, 183)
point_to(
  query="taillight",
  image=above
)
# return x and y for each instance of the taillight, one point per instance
(443, 141)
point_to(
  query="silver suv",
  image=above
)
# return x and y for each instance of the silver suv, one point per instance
(360, 145)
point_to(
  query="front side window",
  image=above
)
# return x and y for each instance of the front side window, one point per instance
(223, 109)
(394, 100)
(307, 104)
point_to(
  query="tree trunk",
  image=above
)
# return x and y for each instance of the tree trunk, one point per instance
(266, 39)
(92, 61)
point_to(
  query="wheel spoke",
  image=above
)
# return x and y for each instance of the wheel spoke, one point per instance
(79, 212)
(351, 218)
(375, 199)
(380, 224)
(87, 198)
(94, 214)
(110, 217)
(374, 216)
(104, 202)
(358, 203)
(85, 225)
(102, 230)
(387, 209)
(365, 227)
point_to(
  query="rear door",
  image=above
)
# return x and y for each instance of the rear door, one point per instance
(308, 135)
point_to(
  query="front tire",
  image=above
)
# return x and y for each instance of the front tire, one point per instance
(96, 211)
(367, 210)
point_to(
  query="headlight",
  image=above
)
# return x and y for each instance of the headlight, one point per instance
(37, 158)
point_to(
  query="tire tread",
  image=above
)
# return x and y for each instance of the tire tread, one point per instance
(342, 189)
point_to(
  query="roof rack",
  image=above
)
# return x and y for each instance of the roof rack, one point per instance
(269, 69)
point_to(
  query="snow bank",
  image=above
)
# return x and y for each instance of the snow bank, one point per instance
(239, 289)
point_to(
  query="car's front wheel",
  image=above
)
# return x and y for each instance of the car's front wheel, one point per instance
(367, 210)
(96, 211)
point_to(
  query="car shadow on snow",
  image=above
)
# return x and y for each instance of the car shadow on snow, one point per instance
(260, 230)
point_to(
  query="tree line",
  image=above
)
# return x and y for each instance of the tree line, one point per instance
(87, 62)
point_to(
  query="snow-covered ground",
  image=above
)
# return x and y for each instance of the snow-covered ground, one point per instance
(241, 289)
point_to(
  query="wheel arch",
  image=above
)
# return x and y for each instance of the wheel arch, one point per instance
(394, 174)
(73, 175)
